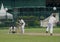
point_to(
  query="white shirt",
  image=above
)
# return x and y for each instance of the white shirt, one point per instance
(52, 20)
(22, 21)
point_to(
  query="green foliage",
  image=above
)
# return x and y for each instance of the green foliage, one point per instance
(41, 17)
(31, 20)
(5, 23)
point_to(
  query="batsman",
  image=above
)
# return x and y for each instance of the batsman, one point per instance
(22, 25)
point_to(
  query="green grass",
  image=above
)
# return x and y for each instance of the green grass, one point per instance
(5, 37)
(41, 30)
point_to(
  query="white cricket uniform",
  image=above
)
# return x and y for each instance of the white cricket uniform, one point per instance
(12, 29)
(22, 26)
(51, 21)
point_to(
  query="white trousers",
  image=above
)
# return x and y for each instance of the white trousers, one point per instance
(50, 27)
(22, 29)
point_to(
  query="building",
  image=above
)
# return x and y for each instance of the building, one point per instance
(4, 14)
(36, 8)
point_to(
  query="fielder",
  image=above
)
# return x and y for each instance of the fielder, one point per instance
(12, 29)
(22, 25)
(51, 22)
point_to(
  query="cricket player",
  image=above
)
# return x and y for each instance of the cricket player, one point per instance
(51, 22)
(12, 29)
(22, 25)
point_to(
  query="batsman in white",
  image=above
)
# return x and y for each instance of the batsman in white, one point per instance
(22, 25)
(51, 22)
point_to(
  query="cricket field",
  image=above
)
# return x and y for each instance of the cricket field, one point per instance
(30, 35)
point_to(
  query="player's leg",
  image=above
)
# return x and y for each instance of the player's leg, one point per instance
(14, 30)
(51, 29)
(10, 29)
(47, 29)
(22, 29)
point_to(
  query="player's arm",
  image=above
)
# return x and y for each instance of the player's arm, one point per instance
(56, 21)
